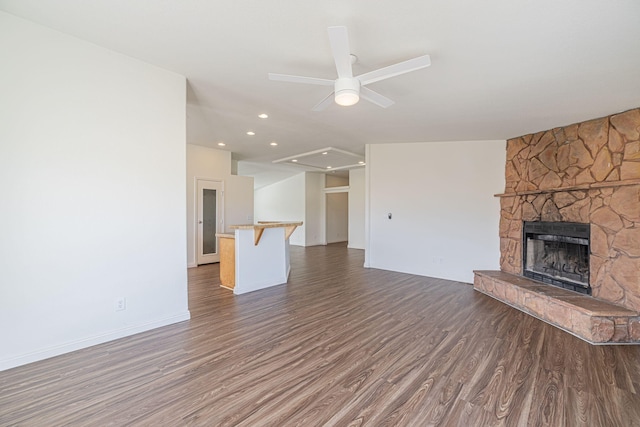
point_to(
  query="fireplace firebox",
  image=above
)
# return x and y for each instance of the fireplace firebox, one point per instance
(557, 253)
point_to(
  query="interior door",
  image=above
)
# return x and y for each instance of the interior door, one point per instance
(210, 220)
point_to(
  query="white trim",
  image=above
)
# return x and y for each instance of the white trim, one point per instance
(321, 150)
(367, 205)
(297, 157)
(190, 265)
(91, 341)
(342, 189)
(337, 168)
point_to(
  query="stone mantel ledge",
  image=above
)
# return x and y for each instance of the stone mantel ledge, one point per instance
(581, 187)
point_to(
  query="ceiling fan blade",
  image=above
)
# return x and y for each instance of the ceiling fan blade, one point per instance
(300, 79)
(322, 105)
(339, 40)
(394, 70)
(375, 97)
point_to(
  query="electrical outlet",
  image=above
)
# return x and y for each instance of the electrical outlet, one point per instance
(121, 304)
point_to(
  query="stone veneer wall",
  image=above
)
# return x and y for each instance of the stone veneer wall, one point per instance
(587, 172)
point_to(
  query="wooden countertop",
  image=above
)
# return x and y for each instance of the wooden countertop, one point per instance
(259, 228)
(265, 224)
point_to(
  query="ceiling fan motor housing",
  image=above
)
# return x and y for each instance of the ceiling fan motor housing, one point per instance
(347, 91)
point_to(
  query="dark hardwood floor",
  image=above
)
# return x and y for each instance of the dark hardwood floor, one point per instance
(339, 345)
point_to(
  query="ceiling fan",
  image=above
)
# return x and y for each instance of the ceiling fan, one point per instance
(349, 89)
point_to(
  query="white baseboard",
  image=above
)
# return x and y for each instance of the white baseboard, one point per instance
(91, 341)
(256, 286)
(192, 265)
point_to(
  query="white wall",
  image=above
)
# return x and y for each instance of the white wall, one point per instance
(335, 181)
(212, 164)
(298, 198)
(444, 216)
(356, 208)
(337, 217)
(314, 209)
(238, 200)
(92, 177)
(283, 201)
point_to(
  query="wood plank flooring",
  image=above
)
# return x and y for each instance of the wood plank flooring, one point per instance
(339, 345)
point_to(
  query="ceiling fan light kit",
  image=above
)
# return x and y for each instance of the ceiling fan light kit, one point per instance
(347, 92)
(349, 89)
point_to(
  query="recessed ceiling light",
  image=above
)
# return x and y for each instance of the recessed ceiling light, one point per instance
(273, 144)
(251, 133)
(221, 144)
(328, 167)
(294, 161)
(361, 163)
(263, 116)
(324, 154)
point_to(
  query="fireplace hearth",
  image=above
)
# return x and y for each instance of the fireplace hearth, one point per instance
(557, 253)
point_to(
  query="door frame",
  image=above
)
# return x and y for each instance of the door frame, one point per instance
(327, 191)
(219, 220)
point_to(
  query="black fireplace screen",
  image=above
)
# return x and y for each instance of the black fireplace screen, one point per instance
(557, 253)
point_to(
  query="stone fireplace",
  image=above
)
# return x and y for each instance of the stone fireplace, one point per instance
(589, 174)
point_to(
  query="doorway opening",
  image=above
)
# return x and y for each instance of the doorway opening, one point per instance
(337, 217)
(336, 188)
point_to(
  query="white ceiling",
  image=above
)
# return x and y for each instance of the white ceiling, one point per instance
(499, 68)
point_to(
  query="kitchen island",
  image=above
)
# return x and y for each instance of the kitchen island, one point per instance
(255, 256)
